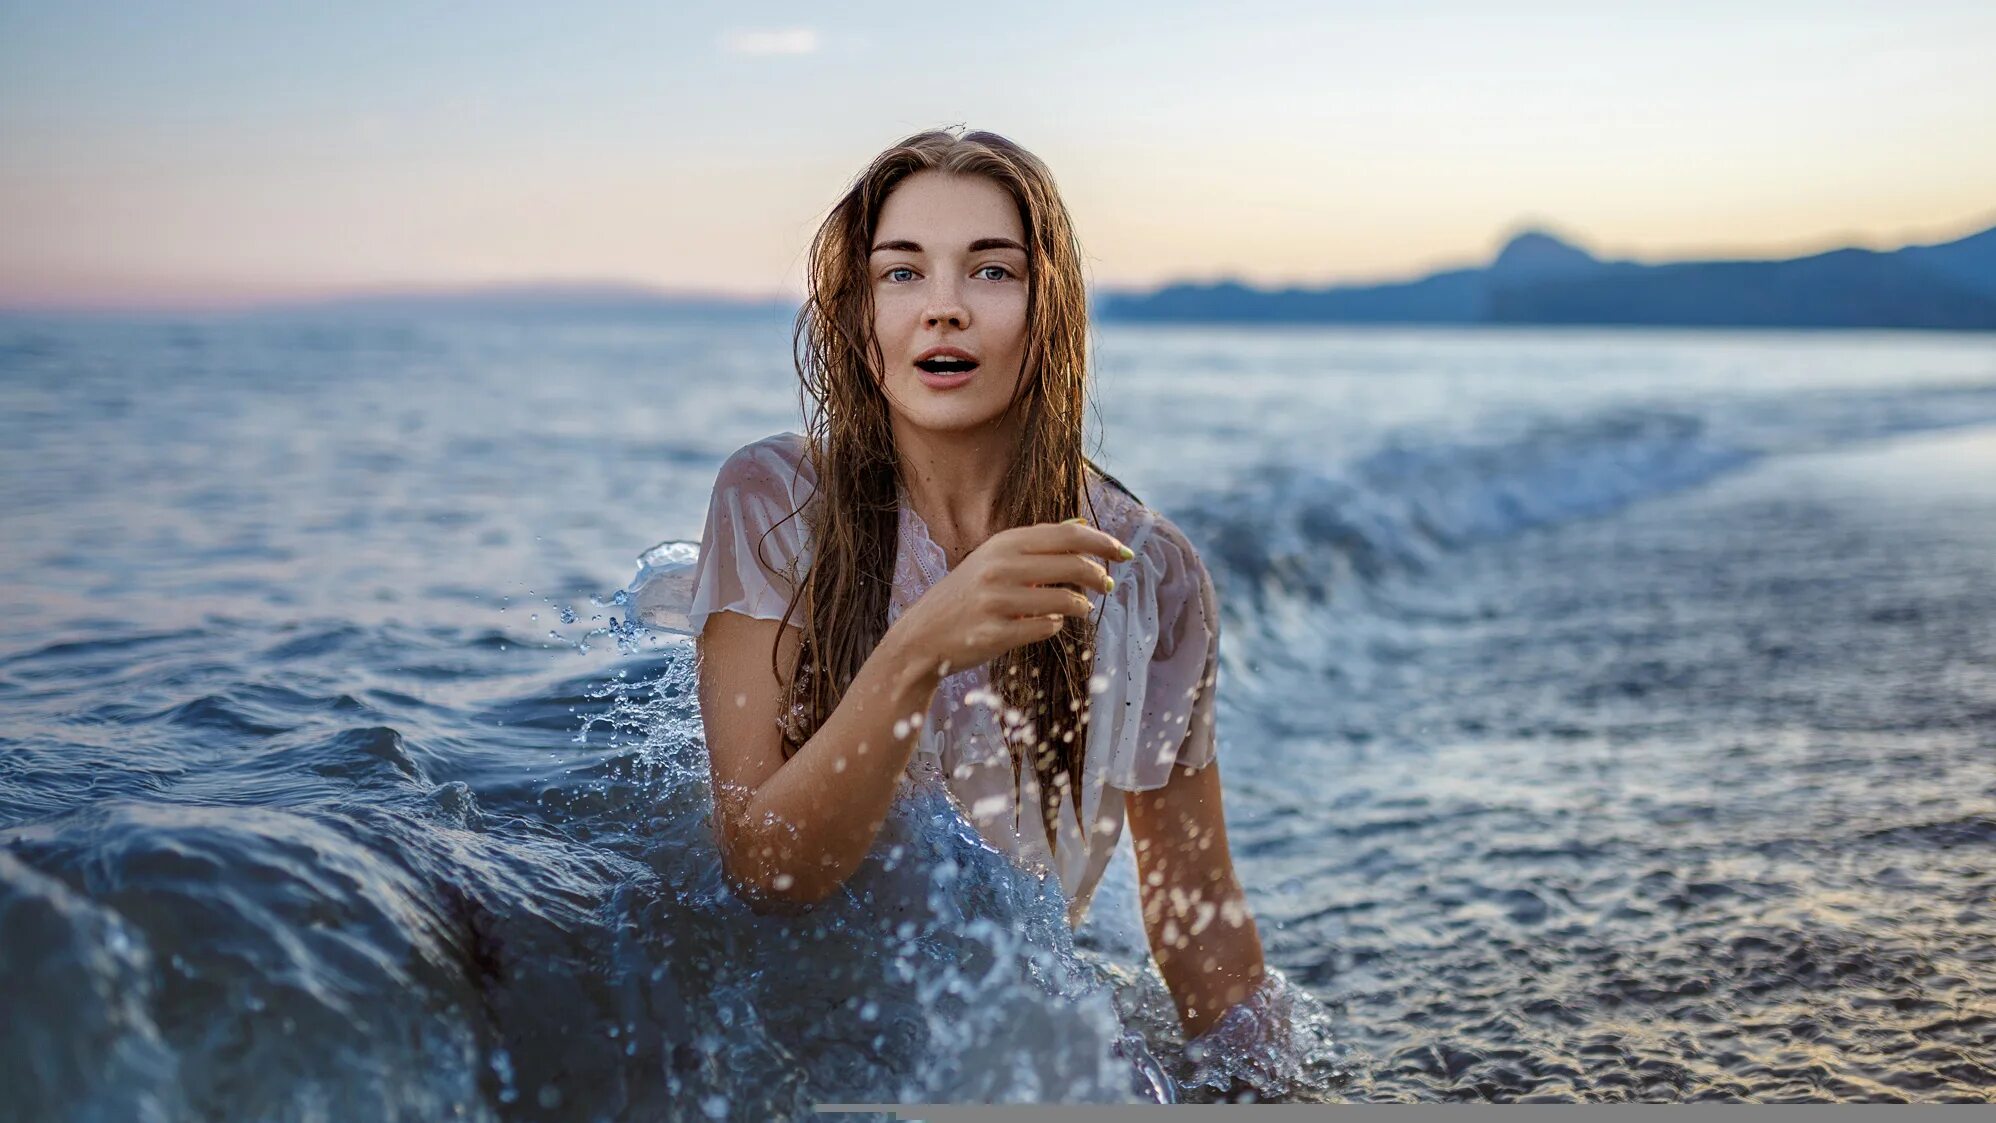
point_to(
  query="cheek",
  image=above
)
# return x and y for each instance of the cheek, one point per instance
(891, 329)
(886, 313)
(890, 307)
(1005, 320)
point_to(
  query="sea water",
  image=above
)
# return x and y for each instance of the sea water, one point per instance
(1604, 715)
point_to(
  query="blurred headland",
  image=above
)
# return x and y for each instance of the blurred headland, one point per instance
(1541, 277)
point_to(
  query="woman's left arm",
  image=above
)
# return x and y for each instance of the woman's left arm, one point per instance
(1195, 913)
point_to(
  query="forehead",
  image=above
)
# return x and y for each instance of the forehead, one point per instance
(948, 211)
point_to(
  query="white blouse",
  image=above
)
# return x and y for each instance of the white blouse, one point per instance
(1155, 662)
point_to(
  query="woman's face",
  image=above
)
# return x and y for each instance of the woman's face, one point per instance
(948, 269)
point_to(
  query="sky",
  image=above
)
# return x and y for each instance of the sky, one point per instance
(215, 154)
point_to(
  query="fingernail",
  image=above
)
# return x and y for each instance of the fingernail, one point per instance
(1126, 552)
(1112, 586)
(1077, 519)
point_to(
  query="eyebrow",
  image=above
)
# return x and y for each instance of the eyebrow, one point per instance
(905, 246)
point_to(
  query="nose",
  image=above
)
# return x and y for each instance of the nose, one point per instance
(945, 305)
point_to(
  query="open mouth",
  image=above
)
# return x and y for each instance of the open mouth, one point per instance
(947, 366)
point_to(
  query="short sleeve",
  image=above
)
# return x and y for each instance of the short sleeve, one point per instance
(1173, 618)
(751, 553)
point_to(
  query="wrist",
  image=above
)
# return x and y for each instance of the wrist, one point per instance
(914, 671)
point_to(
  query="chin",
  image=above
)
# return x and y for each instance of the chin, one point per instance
(949, 411)
(952, 418)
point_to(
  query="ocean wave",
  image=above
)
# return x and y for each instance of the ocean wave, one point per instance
(1292, 530)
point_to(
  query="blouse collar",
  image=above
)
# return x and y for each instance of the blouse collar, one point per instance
(930, 558)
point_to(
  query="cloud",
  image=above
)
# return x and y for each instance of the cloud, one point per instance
(771, 41)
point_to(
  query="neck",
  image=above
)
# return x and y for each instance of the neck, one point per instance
(953, 479)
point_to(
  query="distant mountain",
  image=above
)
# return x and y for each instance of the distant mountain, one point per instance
(1970, 261)
(563, 300)
(1534, 254)
(1540, 278)
(1455, 297)
(1843, 288)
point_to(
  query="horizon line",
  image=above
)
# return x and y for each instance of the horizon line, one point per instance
(230, 298)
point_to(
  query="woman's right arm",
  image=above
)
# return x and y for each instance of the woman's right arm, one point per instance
(795, 830)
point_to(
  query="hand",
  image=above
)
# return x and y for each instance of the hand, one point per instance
(1009, 592)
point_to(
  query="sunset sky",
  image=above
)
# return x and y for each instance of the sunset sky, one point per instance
(211, 154)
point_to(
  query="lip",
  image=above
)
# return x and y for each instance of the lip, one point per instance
(946, 381)
(946, 353)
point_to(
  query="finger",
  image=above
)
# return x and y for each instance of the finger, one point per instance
(1076, 570)
(1072, 538)
(1039, 600)
(1032, 628)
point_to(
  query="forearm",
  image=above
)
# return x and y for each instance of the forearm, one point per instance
(1207, 949)
(809, 826)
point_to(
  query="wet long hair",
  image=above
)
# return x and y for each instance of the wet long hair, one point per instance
(841, 602)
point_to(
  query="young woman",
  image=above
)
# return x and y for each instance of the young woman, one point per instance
(935, 583)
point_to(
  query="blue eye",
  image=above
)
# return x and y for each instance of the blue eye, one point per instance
(889, 275)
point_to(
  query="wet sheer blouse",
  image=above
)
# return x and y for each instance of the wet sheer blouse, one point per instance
(1155, 660)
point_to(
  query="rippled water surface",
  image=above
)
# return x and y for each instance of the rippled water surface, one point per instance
(1605, 716)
